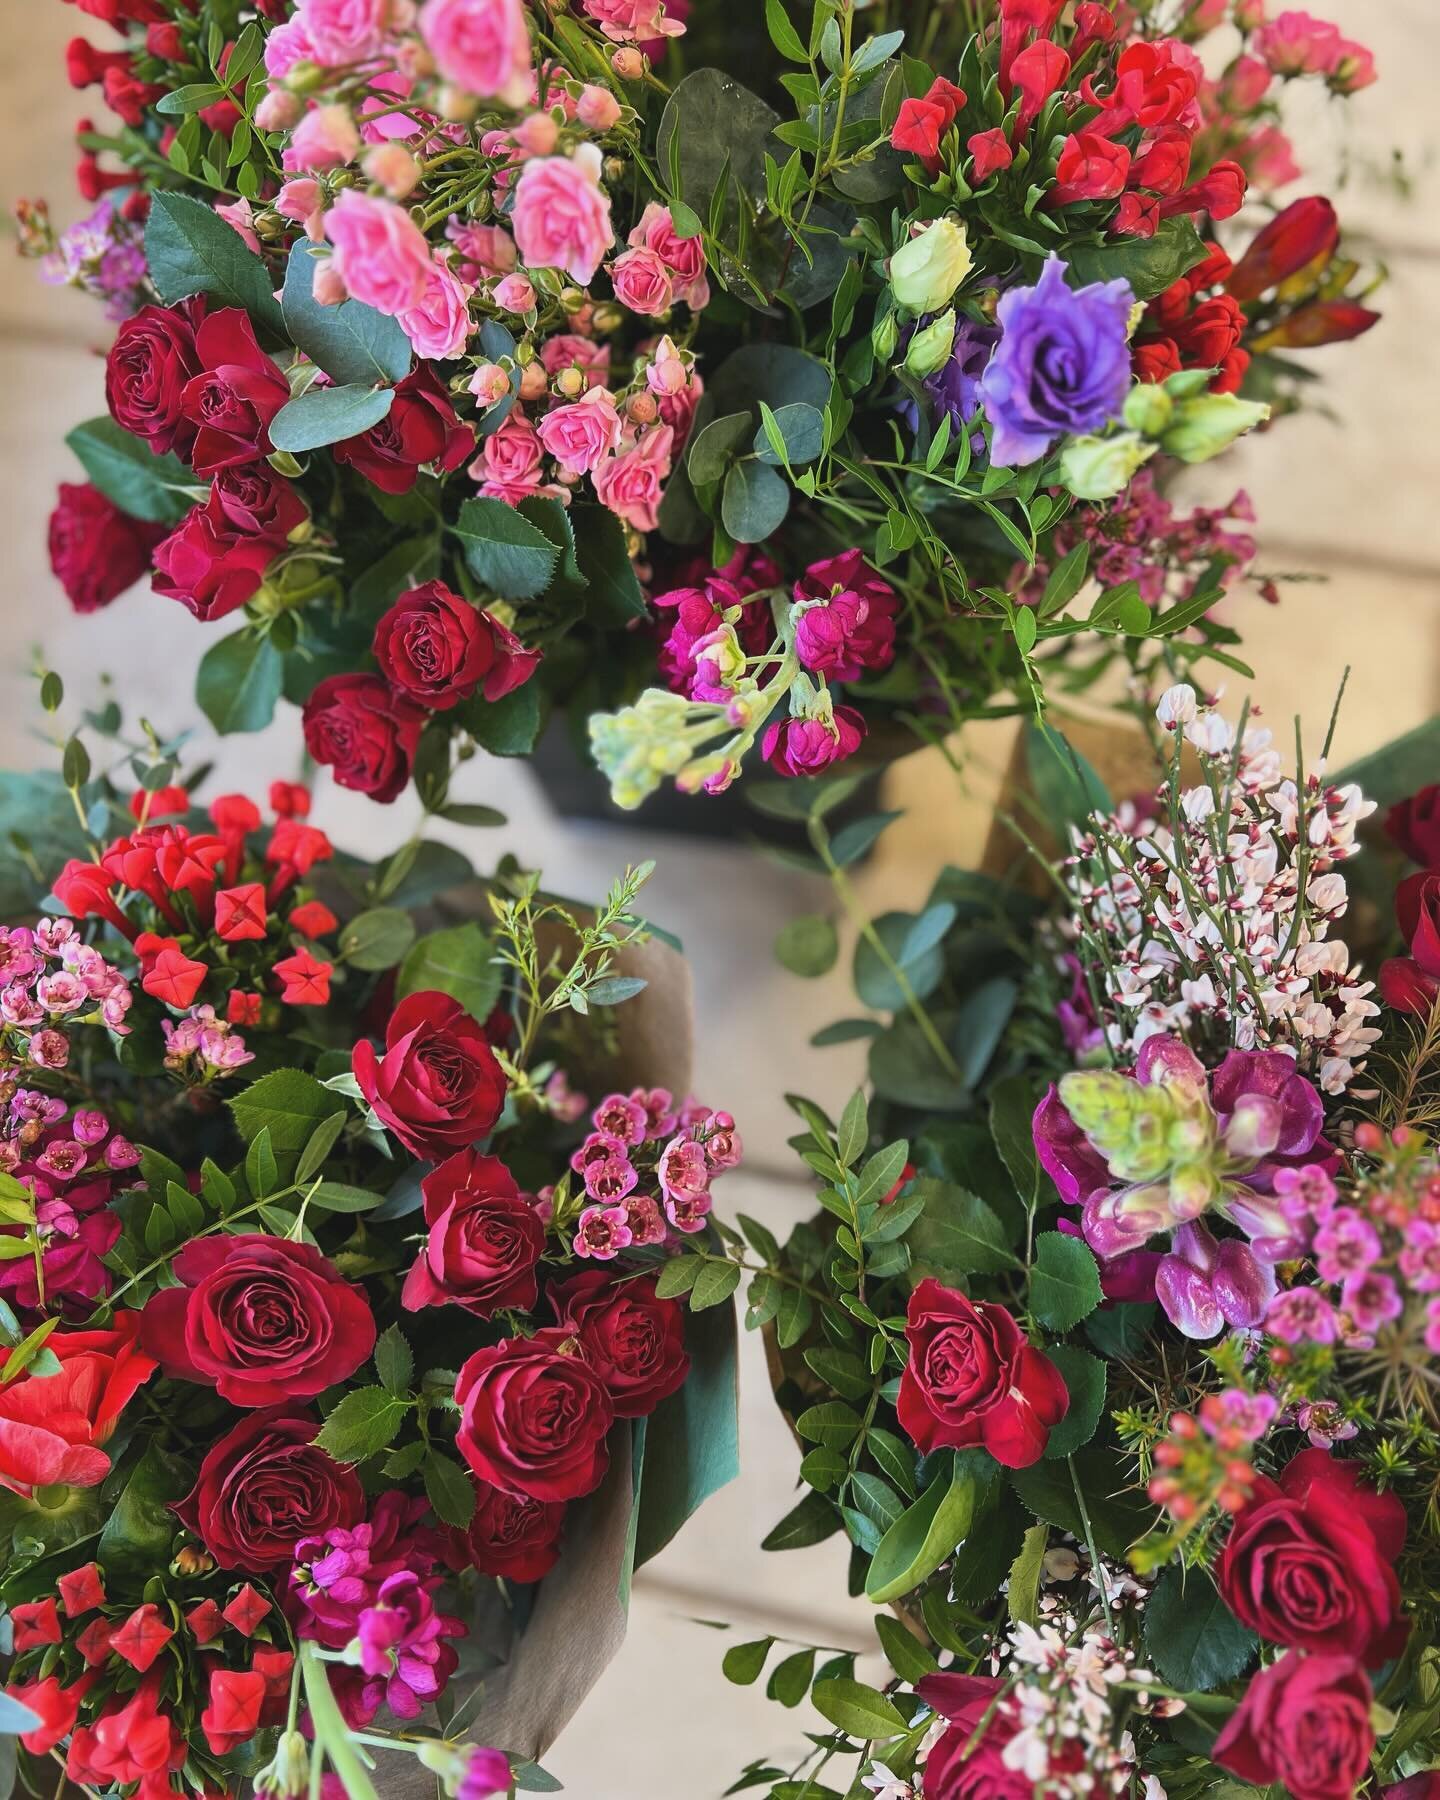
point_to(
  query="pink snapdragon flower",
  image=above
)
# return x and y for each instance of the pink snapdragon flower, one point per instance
(482, 46)
(380, 253)
(580, 435)
(561, 216)
(631, 483)
(440, 326)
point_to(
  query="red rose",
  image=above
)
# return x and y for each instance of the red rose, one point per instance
(1304, 1721)
(513, 1537)
(265, 1486)
(484, 1242)
(534, 1418)
(634, 1341)
(1417, 912)
(972, 1379)
(255, 500)
(149, 366)
(236, 394)
(1424, 1786)
(259, 1319)
(421, 428)
(209, 565)
(436, 649)
(953, 1771)
(52, 1428)
(438, 1086)
(1413, 826)
(355, 725)
(1310, 1561)
(97, 551)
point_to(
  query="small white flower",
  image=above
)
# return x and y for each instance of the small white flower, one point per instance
(1176, 706)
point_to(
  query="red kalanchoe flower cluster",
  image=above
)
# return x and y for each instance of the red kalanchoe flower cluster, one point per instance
(1195, 324)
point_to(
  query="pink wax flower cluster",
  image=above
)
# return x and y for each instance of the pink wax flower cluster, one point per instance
(202, 1046)
(646, 1167)
(51, 981)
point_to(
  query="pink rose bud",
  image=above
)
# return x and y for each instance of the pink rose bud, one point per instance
(570, 382)
(597, 107)
(538, 134)
(532, 381)
(329, 286)
(489, 383)
(393, 167)
(515, 294)
(628, 64)
(666, 373)
(279, 110)
(325, 138)
(298, 199)
(644, 409)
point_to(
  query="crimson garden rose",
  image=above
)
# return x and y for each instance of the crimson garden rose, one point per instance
(436, 649)
(421, 429)
(53, 1430)
(512, 1536)
(485, 1241)
(437, 1086)
(953, 1771)
(1304, 1721)
(1310, 1561)
(260, 1319)
(263, 1487)
(150, 364)
(974, 1381)
(1413, 825)
(235, 395)
(633, 1340)
(534, 1417)
(97, 551)
(359, 727)
(209, 564)
(257, 501)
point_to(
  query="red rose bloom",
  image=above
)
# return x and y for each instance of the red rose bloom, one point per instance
(1309, 1563)
(97, 551)
(254, 500)
(438, 1086)
(484, 1244)
(512, 1537)
(421, 429)
(634, 1341)
(259, 1319)
(973, 1380)
(355, 725)
(238, 391)
(534, 1418)
(1413, 826)
(52, 1429)
(209, 565)
(149, 366)
(263, 1487)
(436, 649)
(953, 1771)
(1304, 1721)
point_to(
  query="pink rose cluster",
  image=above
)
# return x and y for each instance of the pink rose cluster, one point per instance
(647, 1165)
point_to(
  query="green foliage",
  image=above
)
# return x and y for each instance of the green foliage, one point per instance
(328, 415)
(926, 1533)
(126, 470)
(351, 342)
(377, 938)
(1192, 1639)
(503, 551)
(189, 250)
(458, 960)
(1065, 1281)
(862, 1711)
(364, 1422)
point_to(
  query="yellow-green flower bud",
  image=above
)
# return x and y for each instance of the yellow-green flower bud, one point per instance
(925, 272)
(930, 347)
(1148, 409)
(1202, 428)
(1099, 468)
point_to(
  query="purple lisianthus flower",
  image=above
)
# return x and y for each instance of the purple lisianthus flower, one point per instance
(1062, 366)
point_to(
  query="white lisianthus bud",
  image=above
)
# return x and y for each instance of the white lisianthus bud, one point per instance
(1099, 468)
(930, 347)
(1205, 426)
(925, 273)
(1148, 409)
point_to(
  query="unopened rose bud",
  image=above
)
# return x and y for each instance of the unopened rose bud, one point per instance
(393, 167)
(597, 108)
(570, 383)
(1148, 408)
(607, 318)
(926, 271)
(643, 408)
(457, 105)
(628, 64)
(489, 383)
(329, 286)
(306, 77)
(515, 294)
(1099, 468)
(614, 169)
(538, 134)
(533, 382)
(279, 110)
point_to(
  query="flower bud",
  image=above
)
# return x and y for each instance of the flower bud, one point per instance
(926, 271)
(279, 110)
(628, 64)
(884, 337)
(306, 78)
(533, 382)
(930, 346)
(329, 286)
(1203, 427)
(570, 383)
(489, 383)
(597, 107)
(643, 408)
(1148, 409)
(393, 167)
(1306, 232)
(538, 134)
(1099, 468)
(515, 294)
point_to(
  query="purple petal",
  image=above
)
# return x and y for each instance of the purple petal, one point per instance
(1243, 1286)
(1065, 1152)
(1185, 1295)
(1253, 1130)
(1166, 1062)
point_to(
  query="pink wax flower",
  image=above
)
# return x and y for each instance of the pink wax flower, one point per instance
(1372, 1300)
(1346, 1245)
(326, 138)
(482, 46)
(604, 1232)
(631, 483)
(807, 746)
(1293, 43)
(439, 327)
(1235, 1410)
(642, 282)
(682, 1171)
(1323, 1423)
(622, 1117)
(1302, 1315)
(345, 31)
(1432, 1328)
(578, 436)
(511, 461)
(561, 217)
(1304, 1193)
(380, 253)
(1420, 1259)
(683, 257)
(644, 1219)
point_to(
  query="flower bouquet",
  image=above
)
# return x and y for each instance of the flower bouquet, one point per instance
(337, 1401)
(478, 359)
(1111, 1350)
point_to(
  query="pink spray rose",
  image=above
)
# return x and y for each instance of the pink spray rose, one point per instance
(482, 46)
(562, 214)
(302, 201)
(568, 350)
(344, 31)
(326, 138)
(624, 21)
(579, 435)
(510, 462)
(490, 249)
(380, 253)
(683, 257)
(642, 282)
(287, 45)
(439, 326)
(631, 483)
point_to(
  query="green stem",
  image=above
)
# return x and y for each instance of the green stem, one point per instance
(331, 1731)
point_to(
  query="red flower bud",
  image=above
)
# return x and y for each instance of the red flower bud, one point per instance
(1090, 168)
(1306, 232)
(1321, 322)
